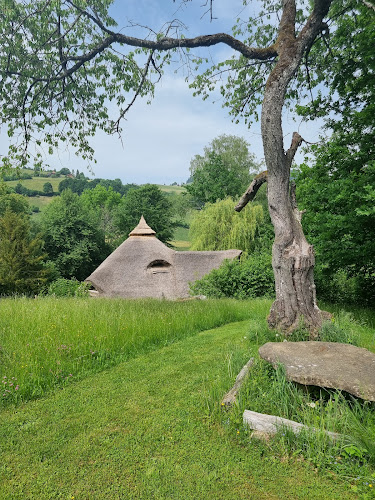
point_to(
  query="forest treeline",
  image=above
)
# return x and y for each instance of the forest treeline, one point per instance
(75, 232)
(90, 218)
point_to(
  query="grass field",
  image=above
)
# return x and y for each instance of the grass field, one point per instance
(37, 183)
(47, 342)
(147, 424)
(40, 201)
(181, 238)
(171, 189)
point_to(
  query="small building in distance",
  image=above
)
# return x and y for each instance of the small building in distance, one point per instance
(142, 266)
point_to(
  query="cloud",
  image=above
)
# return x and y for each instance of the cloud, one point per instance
(160, 139)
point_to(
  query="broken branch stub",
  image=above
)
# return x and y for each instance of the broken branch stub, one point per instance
(251, 191)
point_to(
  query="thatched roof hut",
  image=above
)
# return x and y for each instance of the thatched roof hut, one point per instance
(142, 266)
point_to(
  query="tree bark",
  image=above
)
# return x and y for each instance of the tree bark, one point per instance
(292, 257)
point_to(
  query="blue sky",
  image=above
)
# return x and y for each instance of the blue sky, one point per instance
(159, 140)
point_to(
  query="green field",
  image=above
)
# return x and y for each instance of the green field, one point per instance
(40, 201)
(138, 414)
(37, 183)
(171, 189)
(181, 238)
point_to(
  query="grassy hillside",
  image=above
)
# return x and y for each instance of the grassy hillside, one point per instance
(40, 201)
(181, 238)
(37, 183)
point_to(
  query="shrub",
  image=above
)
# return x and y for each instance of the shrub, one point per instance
(68, 288)
(345, 286)
(249, 277)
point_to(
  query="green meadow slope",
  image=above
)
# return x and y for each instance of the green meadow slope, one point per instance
(142, 430)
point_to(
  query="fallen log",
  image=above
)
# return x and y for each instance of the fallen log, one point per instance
(230, 397)
(269, 424)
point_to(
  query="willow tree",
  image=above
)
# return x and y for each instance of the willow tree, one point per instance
(61, 61)
(218, 227)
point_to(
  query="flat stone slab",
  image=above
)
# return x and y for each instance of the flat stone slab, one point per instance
(325, 364)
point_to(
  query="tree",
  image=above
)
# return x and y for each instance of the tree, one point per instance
(64, 171)
(22, 259)
(218, 227)
(104, 201)
(74, 241)
(60, 61)
(74, 184)
(182, 204)
(233, 161)
(13, 202)
(235, 153)
(48, 189)
(214, 180)
(149, 201)
(337, 191)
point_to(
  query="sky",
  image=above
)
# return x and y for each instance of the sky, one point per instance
(159, 140)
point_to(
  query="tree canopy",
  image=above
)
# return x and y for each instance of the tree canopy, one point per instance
(213, 181)
(23, 268)
(337, 188)
(13, 202)
(149, 201)
(73, 238)
(219, 227)
(223, 170)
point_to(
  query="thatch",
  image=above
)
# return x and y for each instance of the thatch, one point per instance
(142, 266)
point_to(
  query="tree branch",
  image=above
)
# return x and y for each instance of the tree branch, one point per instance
(296, 142)
(150, 60)
(167, 43)
(251, 191)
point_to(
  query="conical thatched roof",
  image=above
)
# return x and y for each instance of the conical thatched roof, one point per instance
(142, 266)
(143, 229)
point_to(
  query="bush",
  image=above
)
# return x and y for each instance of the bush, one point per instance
(249, 277)
(344, 286)
(68, 288)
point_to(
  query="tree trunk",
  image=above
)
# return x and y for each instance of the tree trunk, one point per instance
(293, 264)
(292, 256)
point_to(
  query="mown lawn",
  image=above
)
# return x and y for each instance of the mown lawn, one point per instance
(143, 430)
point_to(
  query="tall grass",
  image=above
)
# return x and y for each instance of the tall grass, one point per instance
(267, 391)
(49, 342)
(352, 455)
